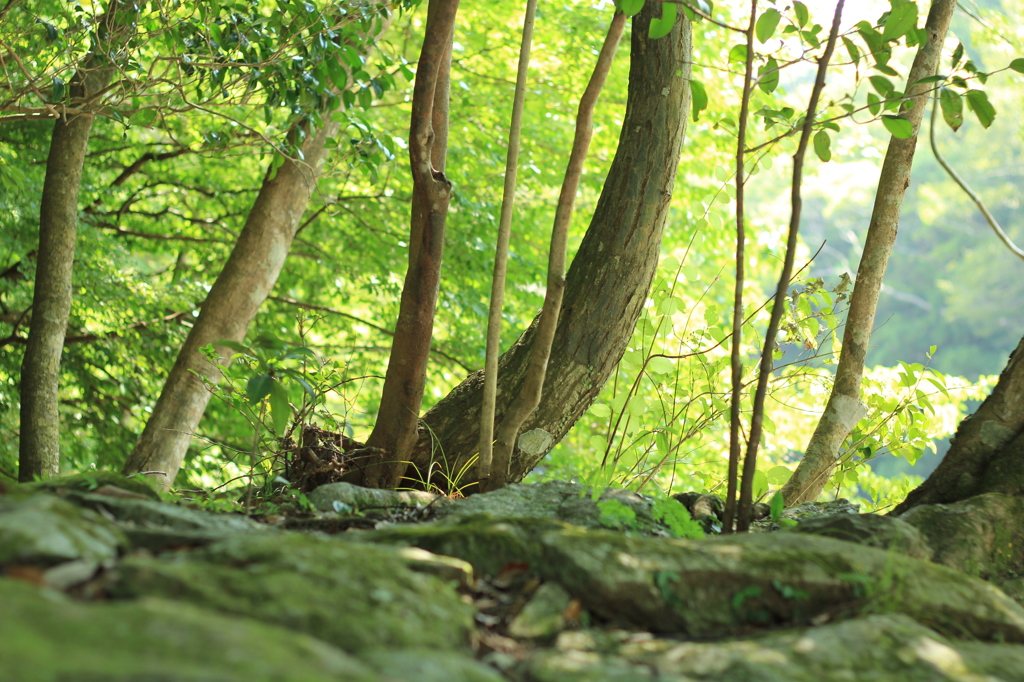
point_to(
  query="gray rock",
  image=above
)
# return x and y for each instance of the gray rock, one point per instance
(872, 530)
(876, 648)
(329, 497)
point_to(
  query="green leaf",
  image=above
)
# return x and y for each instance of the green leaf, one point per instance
(882, 85)
(952, 108)
(778, 475)
(874, 104)
(663, 26)
(977, 101)
(760, 484)
(698, 98)
(143, 118)
(768, 75)
(821, 146)
(776, 506)
(258, 388)
(1017, 65)
(898, 127)
(766, 24)
(629, 7)
(738, 54)
(802, 15)
(958, 54)
(852, 49)
(901, 19)
(280, 410)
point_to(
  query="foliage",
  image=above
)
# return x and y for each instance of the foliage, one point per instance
(206, 99)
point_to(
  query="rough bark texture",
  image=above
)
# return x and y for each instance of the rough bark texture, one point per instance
(394, 432)
(501, 250)
(844, 408)
(240, 289)
(987, 452)
(606, 285)
(39, 444)
(245, 282)
(529, 395)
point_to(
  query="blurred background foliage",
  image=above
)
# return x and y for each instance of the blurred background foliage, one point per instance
(151, 245)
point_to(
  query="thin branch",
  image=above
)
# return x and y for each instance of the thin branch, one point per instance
(989, 218)
(767, 356)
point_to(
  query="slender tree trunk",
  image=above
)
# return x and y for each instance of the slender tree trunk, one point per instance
(606, 285)
(501, 251)
(528, 397)
(394, 432)
(987, 452)
(39, 445)
(240, 289)
(844, 408)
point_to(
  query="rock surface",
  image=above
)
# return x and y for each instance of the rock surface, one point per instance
(156, 591)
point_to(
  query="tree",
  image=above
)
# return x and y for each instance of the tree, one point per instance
(58, 216)
(246, 280)
(987, 453)
(607, 282)
(844, 408)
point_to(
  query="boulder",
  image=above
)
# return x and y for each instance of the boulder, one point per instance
(871, 530)
(877, 647)
(350, 595)
(981, 536)
(45, 636)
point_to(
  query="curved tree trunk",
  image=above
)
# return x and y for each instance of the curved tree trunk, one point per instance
(607, 283)
(240, 289)
(39, 444)
(844, 408)
(987, 452)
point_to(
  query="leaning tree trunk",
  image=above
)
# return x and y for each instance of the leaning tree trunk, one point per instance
(240, 289)
(607, 283)
(39, 444)
(844, 408)
(987, 452)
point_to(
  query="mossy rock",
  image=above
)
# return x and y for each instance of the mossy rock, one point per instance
(45, 530)
(352, 595)
(46, 637)
(94, 481)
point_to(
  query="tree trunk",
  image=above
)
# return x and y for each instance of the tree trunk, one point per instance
(844, 408)
(242, 286)
(39, 445)
(607, 283)
(394, 432)
(987, 452)
(240, 289)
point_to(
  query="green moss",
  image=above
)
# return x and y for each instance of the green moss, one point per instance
(354, 596)
(46, 637)
(91, 481)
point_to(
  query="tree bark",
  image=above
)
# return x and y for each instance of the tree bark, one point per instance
(607, 283)
(394, 432)
(844, 408)
(987, 452)
(240, 289)
(39, 444)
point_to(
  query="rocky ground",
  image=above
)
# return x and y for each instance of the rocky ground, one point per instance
(101, 580)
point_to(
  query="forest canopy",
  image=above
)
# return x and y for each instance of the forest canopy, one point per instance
(200, 111)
